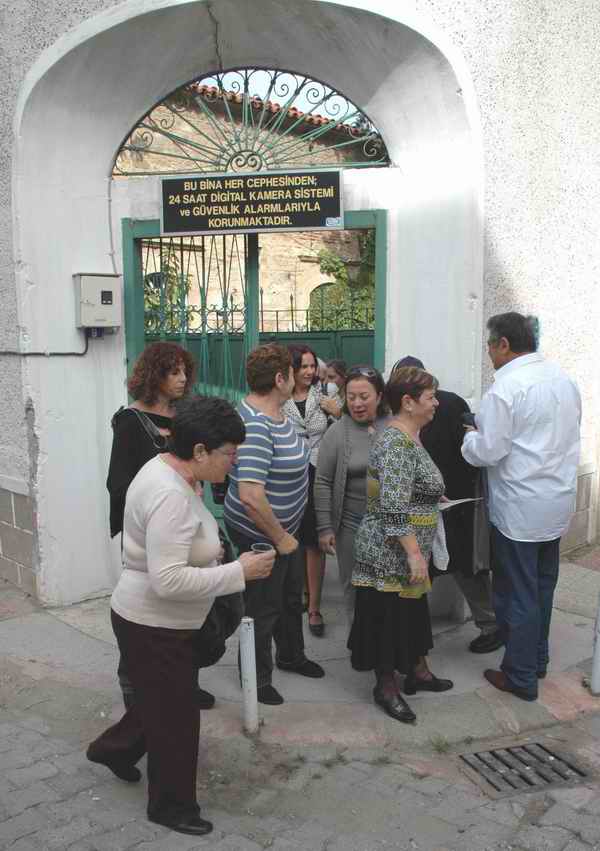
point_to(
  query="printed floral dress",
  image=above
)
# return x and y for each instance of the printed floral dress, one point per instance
(403, 491)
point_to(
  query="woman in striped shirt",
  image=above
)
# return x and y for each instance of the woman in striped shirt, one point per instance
(265, 502)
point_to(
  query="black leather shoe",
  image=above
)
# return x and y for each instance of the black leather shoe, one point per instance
(394, 706)
(194, 826)
(204, 699)
(268, 694)
(487, 642)
(306, 668)
(123, 770)
(414, 684)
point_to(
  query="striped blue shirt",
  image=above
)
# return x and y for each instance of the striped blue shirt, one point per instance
(275, 456)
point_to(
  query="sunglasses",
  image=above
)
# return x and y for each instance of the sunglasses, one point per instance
(367, 371)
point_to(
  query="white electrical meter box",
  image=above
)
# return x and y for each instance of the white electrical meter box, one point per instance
(98, 301)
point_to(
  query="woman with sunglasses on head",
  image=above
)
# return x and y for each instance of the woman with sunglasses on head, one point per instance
(391, 632)
(341, 477)
(308, 410)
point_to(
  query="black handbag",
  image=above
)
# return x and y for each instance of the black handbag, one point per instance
(221, 622)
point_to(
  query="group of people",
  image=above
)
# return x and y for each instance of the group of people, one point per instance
(334, 461)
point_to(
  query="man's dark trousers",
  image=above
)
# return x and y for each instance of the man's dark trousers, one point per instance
(524, 578)
(275, 604)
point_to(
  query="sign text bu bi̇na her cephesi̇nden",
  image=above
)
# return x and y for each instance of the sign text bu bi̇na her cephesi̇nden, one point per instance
(252, 201)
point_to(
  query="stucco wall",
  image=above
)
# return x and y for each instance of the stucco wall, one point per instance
(535, 70)
(532, 65)
(25, 32)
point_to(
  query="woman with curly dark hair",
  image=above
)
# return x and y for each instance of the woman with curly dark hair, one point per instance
(162, 374)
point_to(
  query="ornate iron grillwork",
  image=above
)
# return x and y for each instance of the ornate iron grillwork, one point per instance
(195, 293)
(251, 119)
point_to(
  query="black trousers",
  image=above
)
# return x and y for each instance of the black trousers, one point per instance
(164, 721)
(275, 604)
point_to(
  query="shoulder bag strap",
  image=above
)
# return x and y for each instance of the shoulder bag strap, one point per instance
(158, 440)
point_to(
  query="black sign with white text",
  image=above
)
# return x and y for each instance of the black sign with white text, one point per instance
(250, 203)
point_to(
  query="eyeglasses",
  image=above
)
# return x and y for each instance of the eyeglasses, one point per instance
(367, 371)
(230, 453)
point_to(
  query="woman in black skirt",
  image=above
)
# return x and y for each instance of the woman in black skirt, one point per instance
(391, 633)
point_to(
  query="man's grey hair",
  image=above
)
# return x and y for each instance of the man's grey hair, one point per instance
(522, 332)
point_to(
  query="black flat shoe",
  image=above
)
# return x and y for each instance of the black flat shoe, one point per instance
(269, 695)
(123, 770)
(194, 826)
(306, 668)
(414, 684)
(204, 699)
(486, 642)
(394, 706)
(316, 629)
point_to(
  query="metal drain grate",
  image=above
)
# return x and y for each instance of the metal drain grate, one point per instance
(523, 768)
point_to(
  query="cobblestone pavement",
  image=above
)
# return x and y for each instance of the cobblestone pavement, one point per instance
(377, 785)
(319, 799)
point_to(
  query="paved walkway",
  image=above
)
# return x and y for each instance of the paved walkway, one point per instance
(328, 771)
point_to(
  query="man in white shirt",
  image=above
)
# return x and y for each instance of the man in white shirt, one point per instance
(527, 436)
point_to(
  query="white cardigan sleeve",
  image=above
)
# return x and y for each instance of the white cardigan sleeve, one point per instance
(170, 528)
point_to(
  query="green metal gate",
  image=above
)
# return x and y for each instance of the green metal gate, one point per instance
(203, 292)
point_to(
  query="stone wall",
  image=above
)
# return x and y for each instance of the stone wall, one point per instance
(17, 526)
(578, 533)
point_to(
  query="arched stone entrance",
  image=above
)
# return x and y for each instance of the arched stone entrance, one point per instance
(85, 94)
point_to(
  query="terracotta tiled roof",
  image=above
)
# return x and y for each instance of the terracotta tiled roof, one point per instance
(213, 93)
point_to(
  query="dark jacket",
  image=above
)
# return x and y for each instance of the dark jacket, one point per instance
(132, 447)
(442, 438)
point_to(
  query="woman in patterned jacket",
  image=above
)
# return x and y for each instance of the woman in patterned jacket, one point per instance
(391, 633)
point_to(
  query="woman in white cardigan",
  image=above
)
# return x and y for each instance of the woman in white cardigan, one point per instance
(309, 409)
(171, 576)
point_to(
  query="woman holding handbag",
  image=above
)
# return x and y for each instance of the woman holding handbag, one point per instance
(167, 589)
